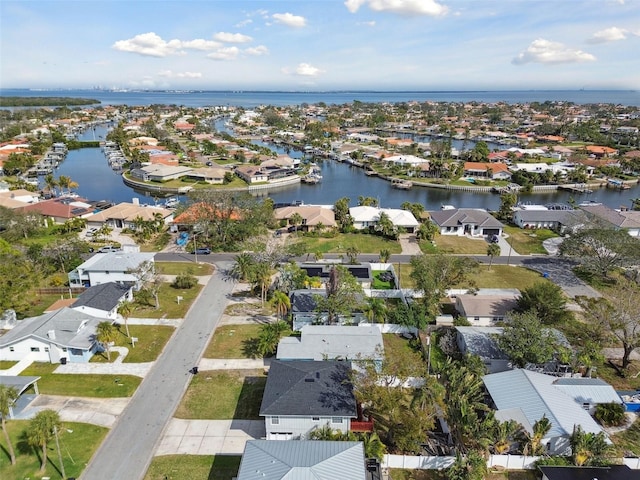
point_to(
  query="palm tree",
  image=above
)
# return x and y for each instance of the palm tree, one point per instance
(105, 334)
(376, 310)
(125, 309)
(243, 267)
(41, 430)
(8, 396)
(587, 448)
(492, 250)
(261, 278)
(296, 219)
(269, 336)
(353, 252)
(385, 254)
(373, 446)
(63, 182)
(507, 434)
(281, 303)
(50, 182)
(533, 442)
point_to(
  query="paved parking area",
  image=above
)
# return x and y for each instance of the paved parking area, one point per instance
(209, 437)
(559, 271)
(97, 411)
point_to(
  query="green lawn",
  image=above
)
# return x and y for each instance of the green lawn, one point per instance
(169, 307)
(229, 341)
(395, 344)
(151, 342)
(455, 244)
(629, 440)
(505, 276)
(6, 364)
(39, 303)
(176, 268)
(82, 385)
(380, 284)
(190, 467)
(527, 242)
(78, 441)
(223, 395)
(340, 243)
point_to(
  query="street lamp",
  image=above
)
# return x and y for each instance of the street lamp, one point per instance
(195, 246)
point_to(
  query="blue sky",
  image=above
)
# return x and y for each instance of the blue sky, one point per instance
(321, 44)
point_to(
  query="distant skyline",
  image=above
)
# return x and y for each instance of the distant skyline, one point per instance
(321, 45)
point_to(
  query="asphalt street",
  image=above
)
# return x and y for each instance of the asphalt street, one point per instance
(128, 449)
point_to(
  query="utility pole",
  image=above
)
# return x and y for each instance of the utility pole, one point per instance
(55, 431)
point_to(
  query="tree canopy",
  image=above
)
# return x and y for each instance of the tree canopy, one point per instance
(547, 299)
(525, 340)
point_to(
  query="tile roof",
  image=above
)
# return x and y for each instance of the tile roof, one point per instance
(308, 388)
(128, 211)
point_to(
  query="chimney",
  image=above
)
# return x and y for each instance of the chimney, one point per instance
(51, 334)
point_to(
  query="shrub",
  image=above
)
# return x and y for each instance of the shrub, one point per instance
(185, 281)
(610, 414)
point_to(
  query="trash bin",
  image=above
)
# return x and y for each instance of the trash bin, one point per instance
(63, 361)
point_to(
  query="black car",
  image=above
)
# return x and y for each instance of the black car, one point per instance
(495, 239)
(202, 251)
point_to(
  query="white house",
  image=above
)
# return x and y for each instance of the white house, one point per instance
(110, 267)
(103, 300)
(63, 334)
(366, 217)
(301, 396)
(474, 222)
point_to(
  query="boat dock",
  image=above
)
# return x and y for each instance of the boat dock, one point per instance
(578, 188)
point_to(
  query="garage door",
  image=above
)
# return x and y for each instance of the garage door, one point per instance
(491, 231)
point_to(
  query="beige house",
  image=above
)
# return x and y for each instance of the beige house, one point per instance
(210, 175)
(486, 307)
(124, 214)
(312, 216)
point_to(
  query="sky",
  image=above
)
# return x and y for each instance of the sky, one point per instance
(320, 45)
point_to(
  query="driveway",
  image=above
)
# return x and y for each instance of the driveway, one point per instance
(409, 244)
(129, 447)
(97, 411)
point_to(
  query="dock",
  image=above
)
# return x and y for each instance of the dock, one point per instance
(579, 188)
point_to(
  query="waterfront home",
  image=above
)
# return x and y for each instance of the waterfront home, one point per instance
(60, 209)
(600, 151)
(115, 267)
(305, 459)
(63, 334)
(17, 198)
(557, 220)
(211, 175)
(366, 217)
(312, 215)
(251, 174)
(466, 221)
(360, 344)
(103, 300)
(487, 306)
(493, 170)
(301, 396)
(125, 215)
(628, 220)
(526, 396)
(160, 173)
(405, 160)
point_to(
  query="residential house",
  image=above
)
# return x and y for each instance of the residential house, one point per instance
(60, 209)
(486, 307)
(160, 173)
(494, 170)
(64, 334)
(211, 175)
(110, 267)
(304, 310)
(559, 221)
(103, 300)
(628, 220)
(588, 392)
(302, 460)
(361, 271)
(526, 396)
(252, 174)
(609, 472)
(312, 216)
(359, 344)
(481, 341)
(21, 383)
(474, 222)
(124, 215)
(301, 396)
(366, 217)
(17, 198)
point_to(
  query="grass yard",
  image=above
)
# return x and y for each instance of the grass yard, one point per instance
(396, 346)
(340, 243)
(527, 242)
(455, 244)
(189, 467)
(229, 341)
(169, 306)
(38, 303)
(6, 364)
(78, 441)
(81, 385)
(151, 342)
(505, 276)
(629, 440)
(400, 474)
(223, 395)
(378, 283)
(176, 268)
(609, 374)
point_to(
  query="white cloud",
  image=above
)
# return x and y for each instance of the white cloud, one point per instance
(289, 19)
(545, 51)
(227, 53)
(305, 70)
(372, 23)
(170, 74)
(200, 44)
(232, 37)
(243, 23)
(149, 44)
(257, 51)
(608, 35)
(402, 7)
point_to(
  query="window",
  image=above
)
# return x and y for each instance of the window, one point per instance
(11, 349)
(586, 405)
(476, 319)
(35, 349)
(275, 420)
(336, 419)
(64, 349)
(315, 419)
(46, 349)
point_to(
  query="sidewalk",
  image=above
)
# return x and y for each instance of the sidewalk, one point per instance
(114, 368)
(234, 363)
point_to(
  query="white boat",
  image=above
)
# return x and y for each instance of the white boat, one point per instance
(171, 202)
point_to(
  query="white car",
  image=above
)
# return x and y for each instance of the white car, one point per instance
(91, 232)
(108, 249)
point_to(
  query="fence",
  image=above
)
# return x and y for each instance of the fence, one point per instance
(60, 290)
(391, 328)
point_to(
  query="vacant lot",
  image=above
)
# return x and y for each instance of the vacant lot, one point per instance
(190, 467)
(455, 244)
(229, 341)
(169, 306)
(527, 242)
(150, 343)
(176, 268)
(223, 395)
(78, 441)
(341, 242)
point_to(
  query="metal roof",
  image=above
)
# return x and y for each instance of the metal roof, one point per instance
(302, 460)
(588, 390)
(612, 472)
(536, 395)
(308, 388)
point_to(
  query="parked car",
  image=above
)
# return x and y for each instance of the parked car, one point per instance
(202, 251)
(91, 232)
(108, 249)
(495, 239)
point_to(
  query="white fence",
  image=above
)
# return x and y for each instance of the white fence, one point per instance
(506, 462)
(392, 328)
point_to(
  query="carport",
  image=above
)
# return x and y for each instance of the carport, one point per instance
(21, 384)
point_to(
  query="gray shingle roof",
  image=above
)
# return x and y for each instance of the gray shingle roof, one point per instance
(613, 472)
(480, 341)
(71, 328)
(460, 216)
(105, 296)
(302, 460)
(308, 388)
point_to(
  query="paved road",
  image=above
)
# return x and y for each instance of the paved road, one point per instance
(128, 449)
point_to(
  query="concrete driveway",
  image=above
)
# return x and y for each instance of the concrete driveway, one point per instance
(97, 411)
